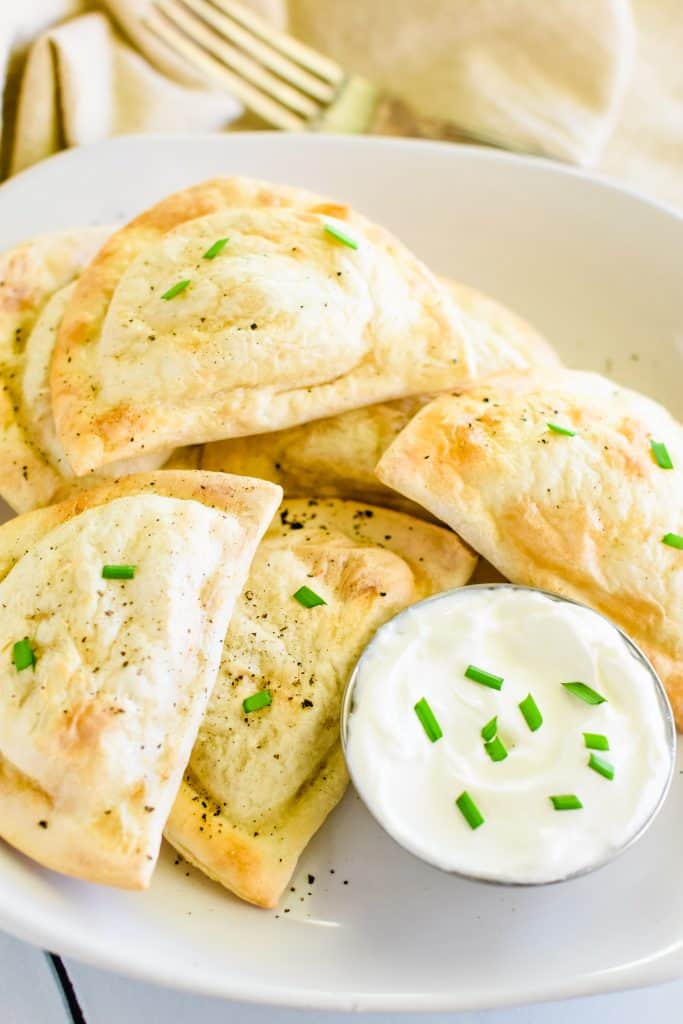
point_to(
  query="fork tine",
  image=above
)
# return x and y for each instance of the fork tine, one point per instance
(322, 66)
(292, 73)
(235, 61)
(213, 70)
(239, 61)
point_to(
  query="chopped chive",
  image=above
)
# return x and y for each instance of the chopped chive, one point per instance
(341, 236)
(214, 249)
(585, 693)
(176, 289)
(674, 540)
(257, 701)
(566, 802)
(661, 455)
(496, 749)
(23, 655)
(490, 729)
(308, 598)
(602, 767)
(595, 741)
(485, 678)
(469, 810)
(118, 572)
(557, 429)
(428, 720)
(531, 713)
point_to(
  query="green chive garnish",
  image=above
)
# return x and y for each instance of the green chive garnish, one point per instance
(566, 802)
(557, 429)
(485, 678)
(341, 236)
(531, 713)
(118, 572)
(23, 655)
(428, 720)
(469, 810)
(661, 455)
(495, 748)
(176, 289)
(214, 249)
(490, 729)
(602, 767)
(595, 741)
(308, 598)
(257, 701)
(585, 693)
(674, 540)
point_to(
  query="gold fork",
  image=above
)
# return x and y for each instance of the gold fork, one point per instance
(284, 82)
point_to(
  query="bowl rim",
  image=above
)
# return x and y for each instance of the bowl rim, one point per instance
(634, 650)
(547, 164)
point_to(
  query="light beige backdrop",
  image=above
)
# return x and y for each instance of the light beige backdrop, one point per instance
(594, 82)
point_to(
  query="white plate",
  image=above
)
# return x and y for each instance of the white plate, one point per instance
(599, 270)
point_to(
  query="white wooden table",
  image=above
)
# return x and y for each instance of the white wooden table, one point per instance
(38, 989)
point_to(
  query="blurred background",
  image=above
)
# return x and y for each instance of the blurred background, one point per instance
(597, 83)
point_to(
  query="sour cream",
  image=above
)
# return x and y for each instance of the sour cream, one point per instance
(536, 643)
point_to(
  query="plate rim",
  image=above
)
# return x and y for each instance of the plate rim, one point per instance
(644, 972)
(665, 965)
(484, 153)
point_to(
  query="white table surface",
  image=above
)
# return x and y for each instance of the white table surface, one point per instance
(31, 993)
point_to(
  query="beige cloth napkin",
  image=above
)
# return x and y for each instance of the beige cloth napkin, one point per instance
(594, 82)
(541, 74)
(646, 148)
(82, 83)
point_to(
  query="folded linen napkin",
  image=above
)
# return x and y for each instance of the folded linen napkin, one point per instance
(542, 76)
(82, 83)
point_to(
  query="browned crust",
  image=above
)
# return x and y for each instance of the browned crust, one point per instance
(227, 854)
(93, 438)
(258, 866)
(247, 498)
(95, 289)
(29, 275)
(600, 541)
(66, 846)
(336, 456)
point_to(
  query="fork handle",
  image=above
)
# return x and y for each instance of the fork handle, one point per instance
(392, 116)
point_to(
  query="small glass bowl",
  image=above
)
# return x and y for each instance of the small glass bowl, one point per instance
(662, 700)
